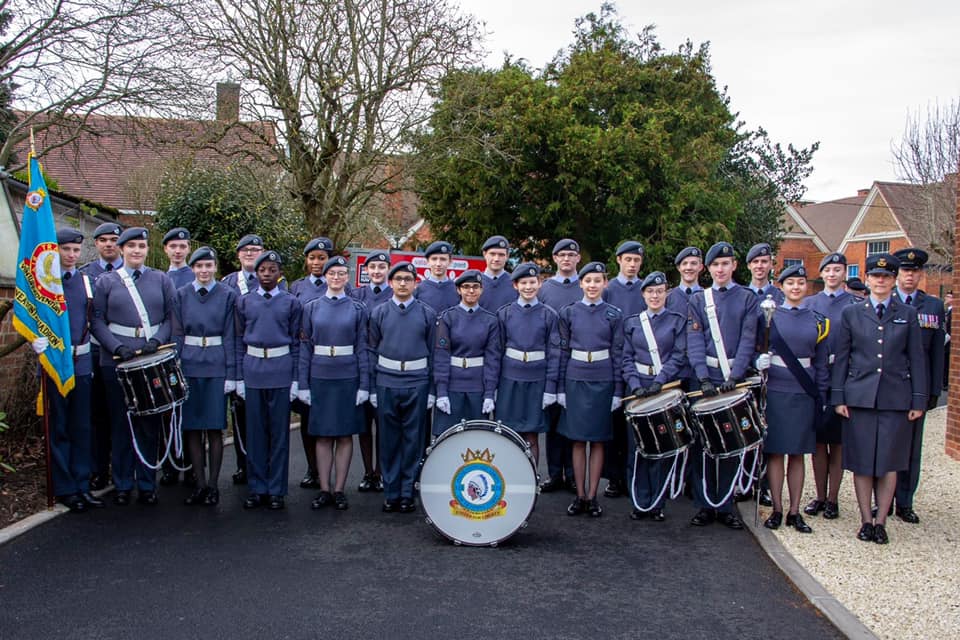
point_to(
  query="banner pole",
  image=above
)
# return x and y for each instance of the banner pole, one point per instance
(46, 438)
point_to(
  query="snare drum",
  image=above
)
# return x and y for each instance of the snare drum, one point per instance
(660, 424)
(478, 483)
(729, 424)
(152, 383)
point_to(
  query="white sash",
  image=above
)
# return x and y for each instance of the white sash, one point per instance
(86, 285)
(242, 282)
(148, 330)
(711, 310)
(651, 342)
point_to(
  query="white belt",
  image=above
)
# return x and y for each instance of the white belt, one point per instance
(777, 361)
(525, 356)
(832, 357)
(203, 341)
(332, 350)
(590, 356)
(466, 363)
(402, 365)
(131, 332)
(94, 341)
(645, 369)
(715, 363)
(268, 352)
(81, 349)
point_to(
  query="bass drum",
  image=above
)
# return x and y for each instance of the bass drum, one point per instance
(478, 483)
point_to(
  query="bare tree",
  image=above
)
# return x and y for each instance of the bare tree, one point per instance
(345, 81)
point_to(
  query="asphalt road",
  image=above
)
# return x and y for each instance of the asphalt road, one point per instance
(197, 572)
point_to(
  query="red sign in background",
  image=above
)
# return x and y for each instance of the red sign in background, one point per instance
(458, 265)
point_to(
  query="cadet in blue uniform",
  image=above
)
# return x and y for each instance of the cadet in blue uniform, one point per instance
(123, 332)
(689, 263)
(931, 315)
(797, 386)
(879, 383)
(557, 292)
(334, 374)
(497, 286)
(737, 310)
(654, 354)
(176, 244)
(70, 438)
(760, 263)
(205, 333)
(436, 289)
(827, 460)
(624, 293)
(313, 285)
(373, 294)
(466, 357)
(105, 239)
(530, 339)
(268, 347)
(401, 336)
(590, 385)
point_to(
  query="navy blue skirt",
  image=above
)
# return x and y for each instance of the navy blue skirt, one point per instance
(463, 406)
(205, 406)
(520, 405)
(790, 423)
(333, 408)
(587, 417)
(876, 442)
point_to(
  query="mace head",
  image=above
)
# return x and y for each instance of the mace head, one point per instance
(768, 307)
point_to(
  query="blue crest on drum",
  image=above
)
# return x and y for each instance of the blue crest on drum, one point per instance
(478, 487)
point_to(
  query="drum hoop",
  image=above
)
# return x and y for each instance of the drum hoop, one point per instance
(667, 400)
(147, 360)
(707, 406)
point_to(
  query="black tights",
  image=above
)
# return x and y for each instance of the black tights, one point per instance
(215, 458)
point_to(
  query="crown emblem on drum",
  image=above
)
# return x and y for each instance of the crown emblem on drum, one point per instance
(483, 456)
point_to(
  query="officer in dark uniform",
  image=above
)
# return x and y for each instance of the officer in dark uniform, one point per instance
(497, 286)
(760, 263)
(931, 315)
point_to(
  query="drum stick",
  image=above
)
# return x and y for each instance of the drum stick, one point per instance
(666, 387)
(697, 394)
(139, 352)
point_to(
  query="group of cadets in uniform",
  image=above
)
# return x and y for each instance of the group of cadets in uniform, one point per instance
(394, 362)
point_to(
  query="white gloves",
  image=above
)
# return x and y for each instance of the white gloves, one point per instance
(373, 400)
(294, 390)
(304, 396)
(229, 386)
(488, 406)
(615, 404)
(443, 404)
(362, 396)
(549, 399)
(562, 400)
(40, 345)
(432, 400)
(763, 362)
(241, 389)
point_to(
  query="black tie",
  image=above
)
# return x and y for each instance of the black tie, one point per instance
(67, 276)
(689, 290)
(202, 291)
(136, 275)
(318, 282)
(759, 292)
(566, 281)
(909, 300)
(250, 278)
(526, 306)
(469, 310)
(377, 290)
(833, 295)
(722, 289)
(267, 296)
(593, 304)
(880, 311)
(109, 267)
(402, 306)
(629, 283)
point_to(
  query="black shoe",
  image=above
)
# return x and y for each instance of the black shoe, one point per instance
(378, 483)
(657, 515)
(831, 510)
(407, 505)
(880, 534)
(866, 532)
(775, 520)
(814, 507)
(276, 503)
(703, 518)
(189, 479)
(908, 515)
(325, 499)
(571, 486)
(391, 506)
(795, 520)
(198, 496)
(636, 514)
(253, 501)
(310, 481)
(366, 484)
(578, 506)
(340, 500)
(213, 498)
(169, 478)
(613, 489)
(73, 502)
(121, 498)
(743, 497)
(765, 499)
(240, 476)
(730, 521)
(99, 481)
(550, 485)
(92, 500)
(148, 498)
(594, 508)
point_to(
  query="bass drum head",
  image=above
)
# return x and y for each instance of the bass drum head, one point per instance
(478, 483)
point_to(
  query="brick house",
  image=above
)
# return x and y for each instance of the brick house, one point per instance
(801, 244)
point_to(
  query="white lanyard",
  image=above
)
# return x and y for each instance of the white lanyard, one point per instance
(137, 302)
(711, 310)
(651, 342)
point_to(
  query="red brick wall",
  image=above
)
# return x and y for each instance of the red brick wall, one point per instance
(12, 366)
(952, 441)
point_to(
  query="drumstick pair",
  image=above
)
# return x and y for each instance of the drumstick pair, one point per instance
(139, 352)
(689, 394)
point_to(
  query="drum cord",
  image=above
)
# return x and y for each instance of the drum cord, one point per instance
(136, 447)
(736, 483)
(236, 430)
(670, 481)
(176, 435)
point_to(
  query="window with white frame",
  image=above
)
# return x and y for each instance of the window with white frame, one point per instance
(792, 262)
(853, 271)
(879, 246)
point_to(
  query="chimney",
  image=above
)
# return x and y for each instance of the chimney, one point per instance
(228, 101)
(863, 193)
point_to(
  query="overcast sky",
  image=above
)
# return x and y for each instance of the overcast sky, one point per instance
(844, 72)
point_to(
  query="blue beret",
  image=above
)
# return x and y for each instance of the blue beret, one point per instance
(793, 271)
(759, 249)
(336, 261)
(107, 229)
(911, 258)
(630, 246)
(133, 233)
(321, 243)
(177, 233)
(833, 258)
(495, 242)
(203, 253)
(251, 239)
(592, 267)
(379, 256)
(406, 267)
(438, 247)
(688, 252)
(467, 277)
(719, 250)
(566, 245)
(525, 270)
(267, 256)
(653, 279)
(66, 235)
(882, 264)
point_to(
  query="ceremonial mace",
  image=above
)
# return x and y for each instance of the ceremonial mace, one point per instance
(768, 307)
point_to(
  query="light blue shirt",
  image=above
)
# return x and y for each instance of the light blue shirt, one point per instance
(209, 287)
(560, 279)
(532, 303)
